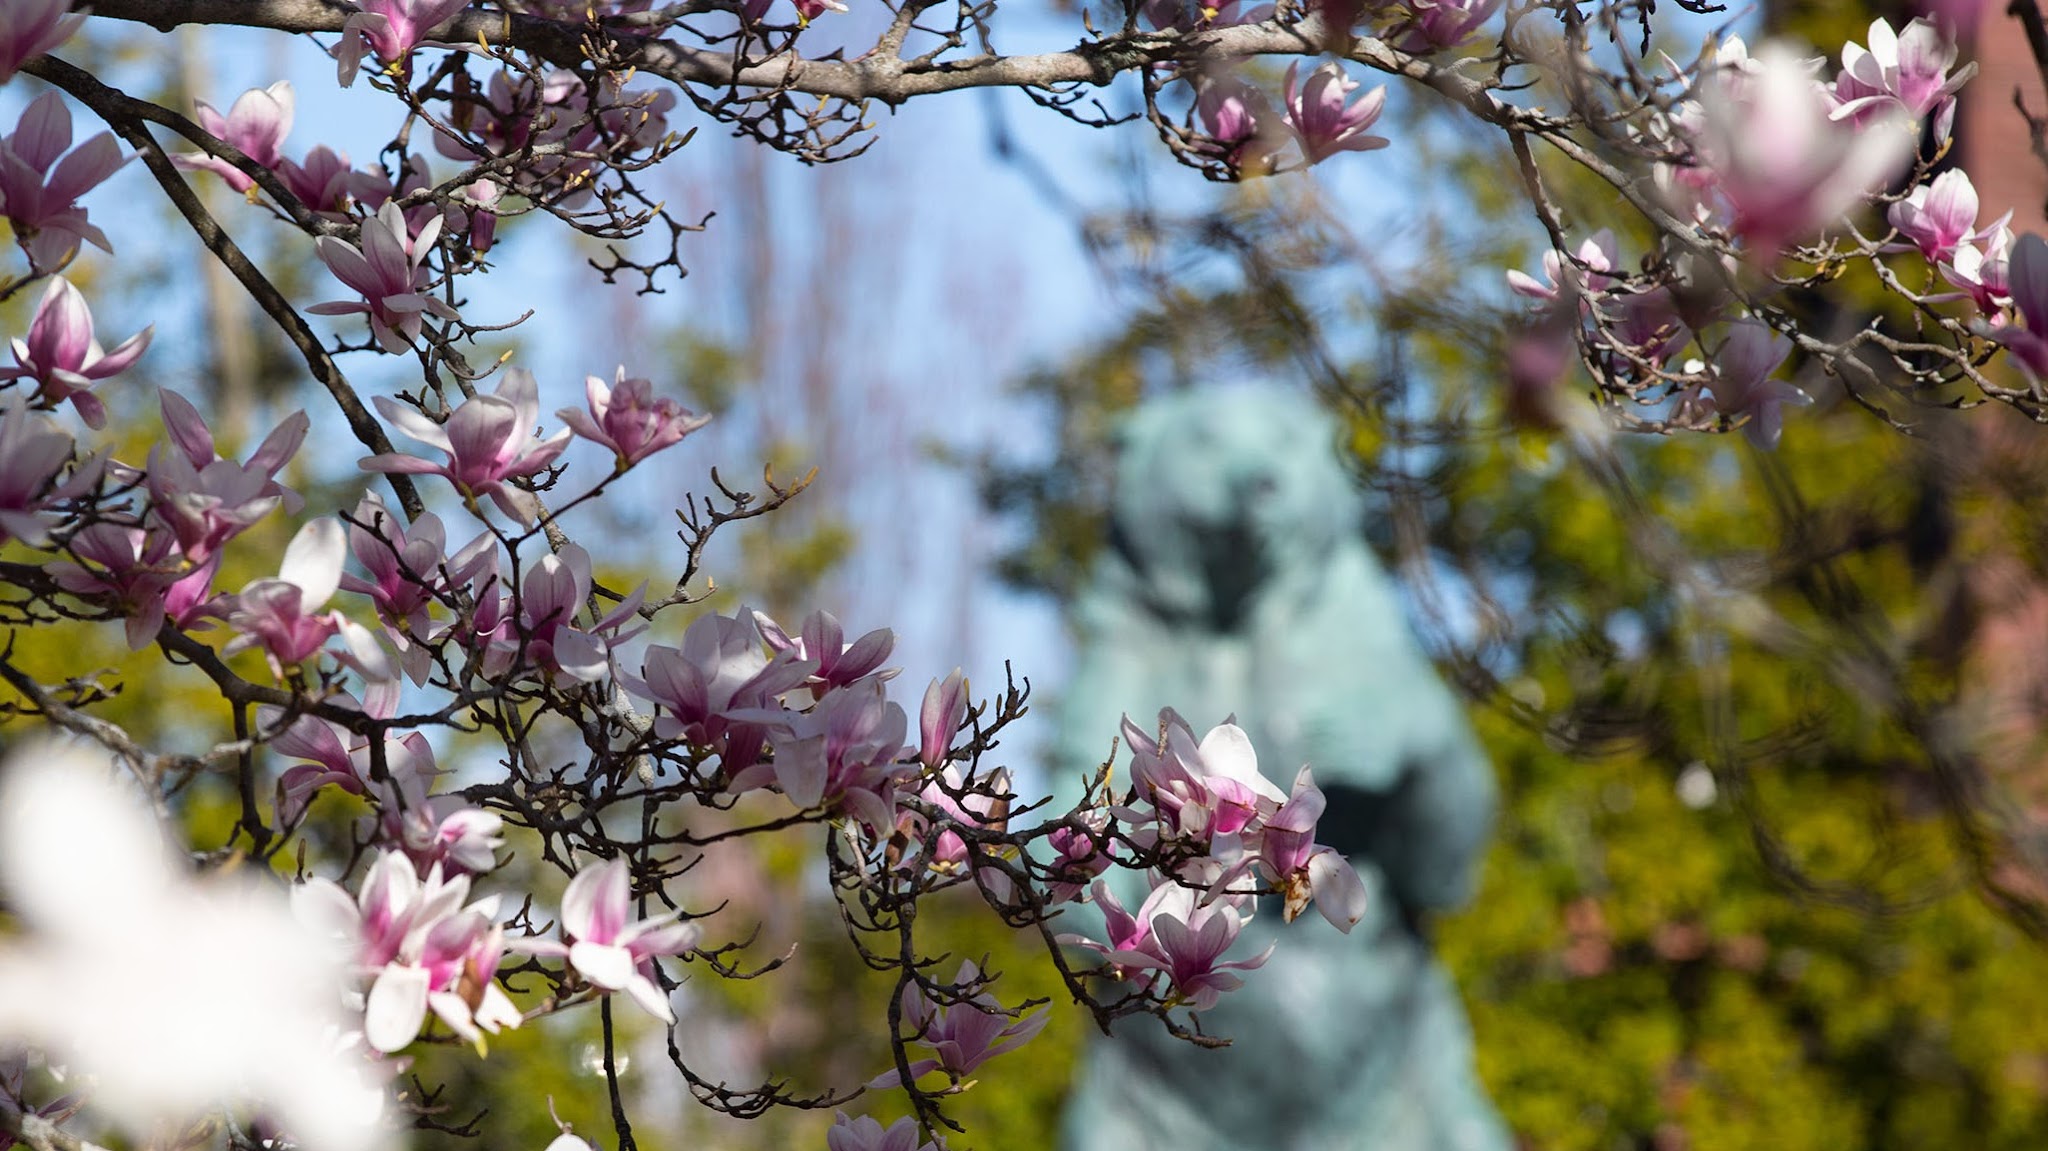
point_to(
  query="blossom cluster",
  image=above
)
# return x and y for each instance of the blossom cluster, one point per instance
(1757, 162)
(1224, 834)
(742, 709)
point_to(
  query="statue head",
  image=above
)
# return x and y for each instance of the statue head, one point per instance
(1218, 490)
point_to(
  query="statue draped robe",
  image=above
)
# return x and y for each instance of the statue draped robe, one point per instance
(1238, 584)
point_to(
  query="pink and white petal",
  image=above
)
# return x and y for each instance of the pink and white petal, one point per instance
(384, 248)
(43, 132)
(347, 263)
(186, 427)
(1339, 892)
(535, 945)
(651, 998)
(396, 1008)
(1228, 751)
(365, 654)
(481, 428)
(428, 233)
(399, 463)
(595, 904)
(495, 1009)
(890, 1078)
(605, 965)
(124, 354)
(659, 937)
(278, 448)
(313, 561)
(454, 1011)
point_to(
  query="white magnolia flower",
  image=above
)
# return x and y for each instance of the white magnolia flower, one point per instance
(173, 995)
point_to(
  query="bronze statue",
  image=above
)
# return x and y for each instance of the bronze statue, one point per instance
(1238, 582)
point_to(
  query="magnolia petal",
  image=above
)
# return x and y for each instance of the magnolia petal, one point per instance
(651, 998)
(1339, 892)
(397, 1007)
(313, 561)
(606, 966)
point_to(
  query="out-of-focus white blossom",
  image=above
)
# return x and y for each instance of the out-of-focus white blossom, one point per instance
(173, 995)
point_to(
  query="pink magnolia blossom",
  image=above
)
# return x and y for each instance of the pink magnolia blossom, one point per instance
(33, 452)
(332, 754)
(1123, 932)
(867, 1134)
(630, 420)
(489, 441)
(1741, 384)
(373, 189)
(945, 705)
(421, 948)
(1938, 215)
(1304, 869)
(409, 571)
(142, 571)
(1321, 119)
(1981, 274)
(1437, 25)
(1565, 278)
(511, 115)
(1240, 124)
(1785, 169)
(840, 755)
(1076, 858)
(321, 182)
(283, 616)
(1908, 72)
(2028, 275)
(1185, 939)
(389, 271)
(62, 357)
(479, 220)
(986, 806)
(39, 191)
(29, 28)
(404, 564)
(256, 124)
(543, 633)
(432, 830)
(610, 949)
(1642, 323)
(205, 500)
(962, 1035)
(712, 682)
(391, 28)
(1176, 934)
(1196, 792)
(822, 643)
(461, 836)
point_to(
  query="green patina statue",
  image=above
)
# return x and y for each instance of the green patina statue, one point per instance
(1238, 583)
